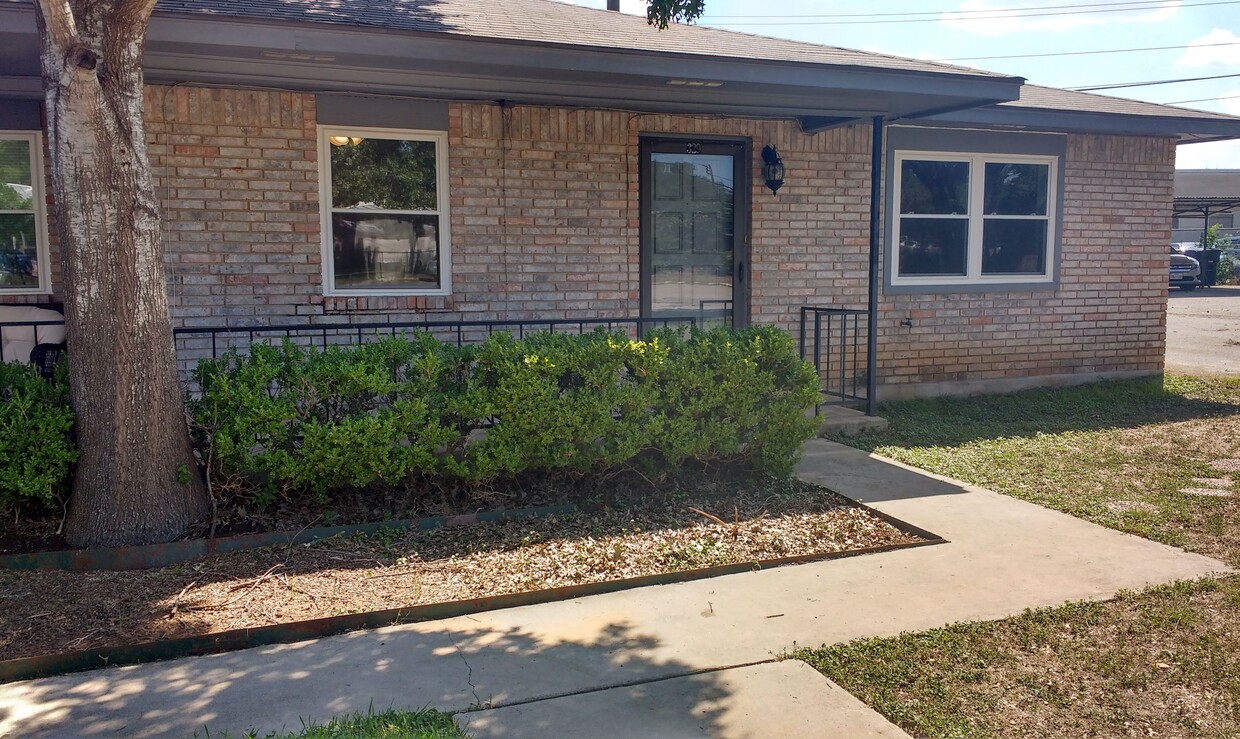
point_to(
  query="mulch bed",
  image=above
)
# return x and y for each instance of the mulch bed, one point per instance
(705, 522)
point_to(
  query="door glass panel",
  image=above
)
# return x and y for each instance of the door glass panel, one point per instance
(693, 217)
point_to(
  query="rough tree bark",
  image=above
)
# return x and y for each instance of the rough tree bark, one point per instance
(136, 481)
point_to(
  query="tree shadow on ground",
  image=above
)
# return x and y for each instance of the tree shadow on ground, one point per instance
(1100, 406)
(53, 612)
(451, 665)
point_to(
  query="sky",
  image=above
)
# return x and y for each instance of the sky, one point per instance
(1206, 34)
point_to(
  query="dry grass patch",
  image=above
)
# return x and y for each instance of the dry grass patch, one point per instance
(1165, 662)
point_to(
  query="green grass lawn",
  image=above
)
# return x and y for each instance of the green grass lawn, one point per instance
(1163, 663)
(392, 724)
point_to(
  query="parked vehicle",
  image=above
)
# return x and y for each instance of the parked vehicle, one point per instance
(1185, 271)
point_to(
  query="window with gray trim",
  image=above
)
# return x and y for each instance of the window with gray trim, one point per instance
(964, 218)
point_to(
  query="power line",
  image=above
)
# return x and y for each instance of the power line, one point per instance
(1152, 83)
(936, 13)
(995, 15)
(1086, 53)
(1203, 100)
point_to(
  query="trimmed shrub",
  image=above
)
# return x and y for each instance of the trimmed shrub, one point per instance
(36, 435)
(289, 420)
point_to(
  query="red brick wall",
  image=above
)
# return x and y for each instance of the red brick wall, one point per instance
(544, 205)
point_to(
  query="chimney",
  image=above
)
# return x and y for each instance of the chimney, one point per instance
(613, 5)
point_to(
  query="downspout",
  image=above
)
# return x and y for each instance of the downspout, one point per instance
(1205, 225)
(876, 197)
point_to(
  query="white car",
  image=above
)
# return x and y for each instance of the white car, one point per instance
(1185, 271)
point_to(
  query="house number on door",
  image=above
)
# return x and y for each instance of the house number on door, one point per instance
(693, 148)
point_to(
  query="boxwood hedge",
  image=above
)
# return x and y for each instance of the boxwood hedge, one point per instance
(290, 420)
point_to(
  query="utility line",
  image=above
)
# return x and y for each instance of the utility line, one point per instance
(1085, 53)
(1202, 100)
(1152, 83)
(1071, 6)
(995, 15)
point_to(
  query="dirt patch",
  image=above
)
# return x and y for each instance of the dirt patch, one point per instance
(716, 522)
(1226, 465)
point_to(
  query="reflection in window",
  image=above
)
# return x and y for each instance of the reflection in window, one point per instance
(386, 228)
(20, 210)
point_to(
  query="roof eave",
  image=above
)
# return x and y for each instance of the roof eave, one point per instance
(1185, 130)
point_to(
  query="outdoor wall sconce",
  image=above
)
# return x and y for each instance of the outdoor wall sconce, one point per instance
(772, 169)
(344, 140)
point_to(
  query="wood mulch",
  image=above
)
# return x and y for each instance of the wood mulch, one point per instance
(710, 522)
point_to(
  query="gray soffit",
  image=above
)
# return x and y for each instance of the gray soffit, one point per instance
(196, 47)
(1050, 109)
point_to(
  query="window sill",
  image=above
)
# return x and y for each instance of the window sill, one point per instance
(970, 287)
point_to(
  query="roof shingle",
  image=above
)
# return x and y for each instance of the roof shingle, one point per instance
(549, 22)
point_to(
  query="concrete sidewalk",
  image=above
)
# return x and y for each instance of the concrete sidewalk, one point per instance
(1003, 556)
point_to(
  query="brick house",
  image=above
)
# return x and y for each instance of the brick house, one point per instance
(453, 160)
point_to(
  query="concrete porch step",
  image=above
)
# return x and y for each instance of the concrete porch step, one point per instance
(836, 419)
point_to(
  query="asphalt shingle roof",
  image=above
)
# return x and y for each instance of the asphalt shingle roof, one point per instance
(549, 22)
(1052, 98)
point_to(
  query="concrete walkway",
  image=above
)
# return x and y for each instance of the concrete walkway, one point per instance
(1004, 556)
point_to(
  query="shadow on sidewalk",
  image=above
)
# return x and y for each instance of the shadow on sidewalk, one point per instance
(401, 667)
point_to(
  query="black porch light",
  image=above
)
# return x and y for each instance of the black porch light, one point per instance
(772, 169)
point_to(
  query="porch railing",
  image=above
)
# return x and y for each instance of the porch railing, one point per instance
(200, 342)
(833, 340)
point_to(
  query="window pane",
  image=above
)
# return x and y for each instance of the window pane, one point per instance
(19, 255)
(1016, 189)
(16, 191)
(385, 252)
(1014, 247)
(934, 187)
(933, 246)
(383, 174)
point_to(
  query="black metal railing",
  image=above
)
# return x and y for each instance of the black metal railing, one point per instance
(833, 340)
(200, 342)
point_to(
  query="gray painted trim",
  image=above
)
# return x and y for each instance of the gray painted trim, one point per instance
(255, 52)
(358, 110)
(970, 142)
(1188, 130)
(21, 115)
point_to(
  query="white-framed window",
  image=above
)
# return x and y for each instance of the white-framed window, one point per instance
(25, 268)
(973, 219)
(384, 204)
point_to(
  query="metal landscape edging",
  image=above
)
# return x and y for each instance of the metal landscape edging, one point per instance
(120, 559)
(28, 668)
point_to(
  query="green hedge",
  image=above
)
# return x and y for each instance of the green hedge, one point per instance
(36, 436)
(292, 420)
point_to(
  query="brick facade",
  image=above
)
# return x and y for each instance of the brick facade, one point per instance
(1108, 315)
(544, 223)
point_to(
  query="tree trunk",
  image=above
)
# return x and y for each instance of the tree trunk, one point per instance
(136, 480)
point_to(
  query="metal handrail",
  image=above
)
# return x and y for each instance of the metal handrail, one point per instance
(836, 351)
